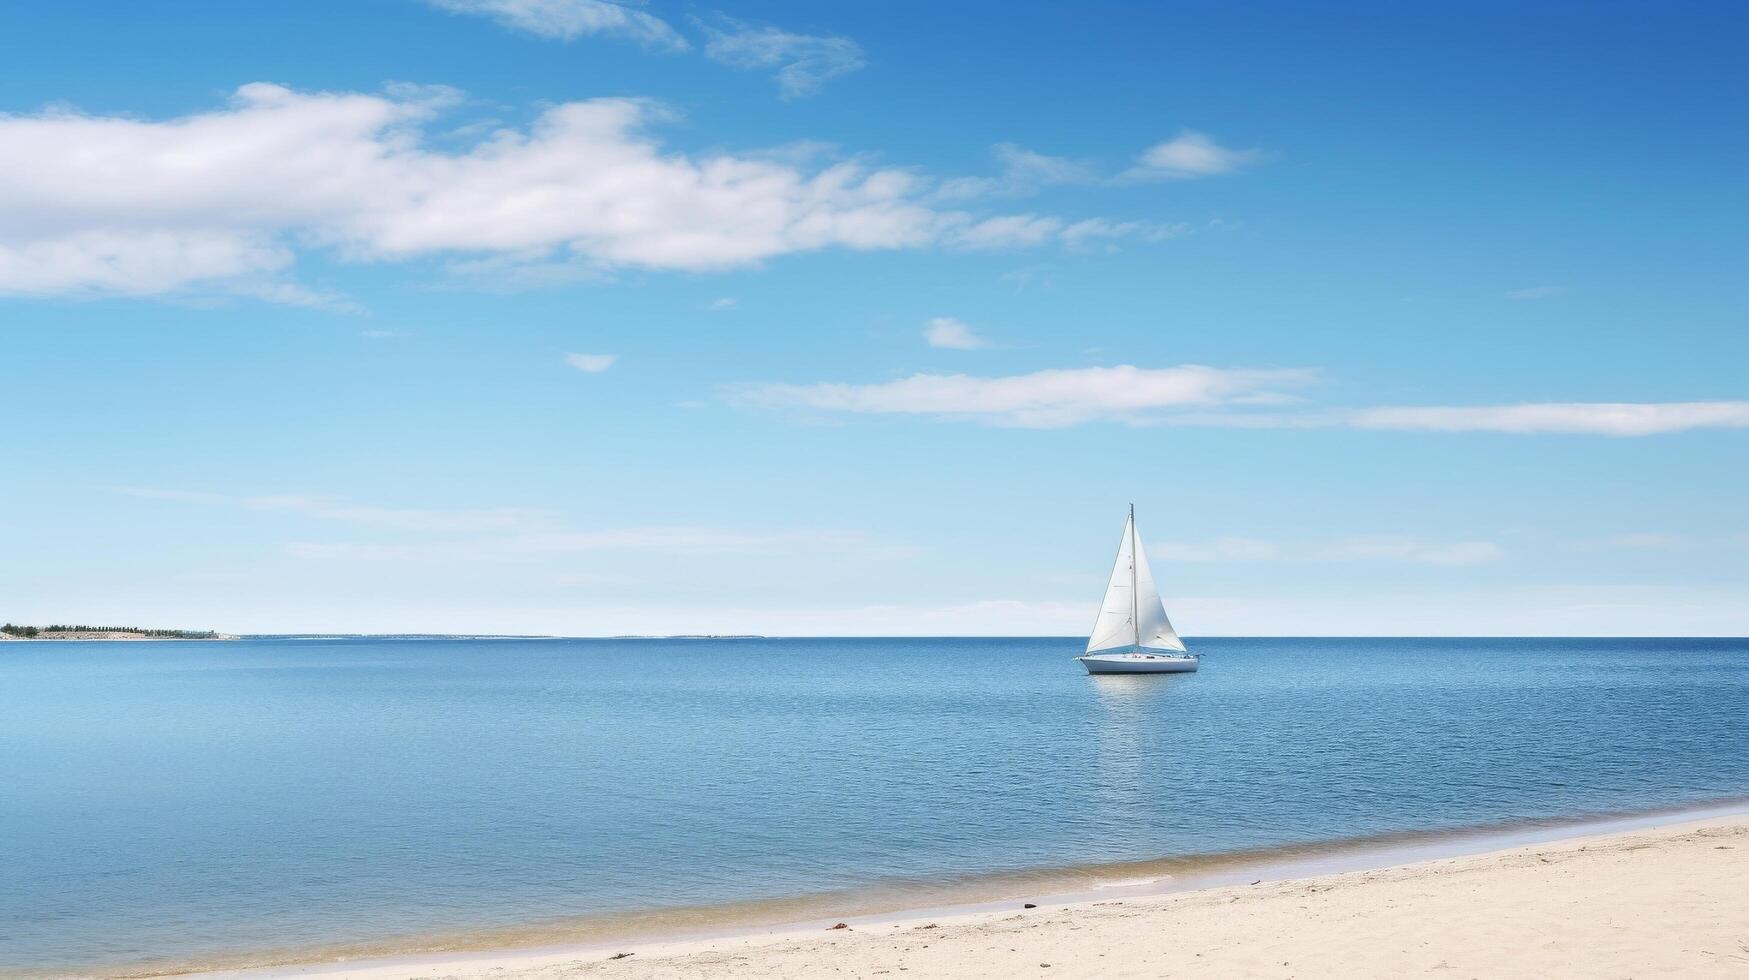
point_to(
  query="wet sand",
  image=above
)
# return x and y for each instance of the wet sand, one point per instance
(1669, 899)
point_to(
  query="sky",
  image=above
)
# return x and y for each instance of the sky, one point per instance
(574, 317)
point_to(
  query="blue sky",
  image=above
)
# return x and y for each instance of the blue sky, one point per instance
(564, 316)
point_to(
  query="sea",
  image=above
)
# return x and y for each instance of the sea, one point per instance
(174, 804)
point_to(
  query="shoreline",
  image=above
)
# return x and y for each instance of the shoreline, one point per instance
(569, 941)
(121, 639)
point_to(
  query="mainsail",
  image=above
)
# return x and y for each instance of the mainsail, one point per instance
(1132, 615)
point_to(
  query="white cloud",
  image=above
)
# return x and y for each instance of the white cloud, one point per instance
(1193, 395)
(723, 303)
(1573, 418)
(292, 294)
(1030, 168)
(1535, 292)
(1007, 231)
(945, 331)
(131, 262)
(383, 334)
(565, 20)
(1363, 548)
(217, 200)
(1020, 172)
(591, 363)
(1620, 419)
(804, 62)
(1189, 154)
(1082, 234)
(1044, 398)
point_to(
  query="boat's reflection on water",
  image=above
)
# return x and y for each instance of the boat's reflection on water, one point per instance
(1129, 693)
(1135, 720)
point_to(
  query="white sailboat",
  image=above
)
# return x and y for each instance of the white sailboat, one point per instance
(1132, 634)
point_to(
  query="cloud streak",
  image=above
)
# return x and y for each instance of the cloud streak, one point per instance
(565, 20)
(1195, 395)
(591, 363)
(1043, 399)
(1362, 548)
(223, 200)
(952, 334)
(800, 64)
(1189, 155)
(803, 63)
(1022, 172)
(1620, 419)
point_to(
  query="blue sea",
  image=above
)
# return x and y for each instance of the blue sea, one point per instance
(183, 802)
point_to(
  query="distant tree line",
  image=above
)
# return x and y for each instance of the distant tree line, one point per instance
(30, 632)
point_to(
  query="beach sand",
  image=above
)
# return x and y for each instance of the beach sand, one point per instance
(1667, 901)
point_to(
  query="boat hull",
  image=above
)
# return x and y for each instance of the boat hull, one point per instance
(1139, 663)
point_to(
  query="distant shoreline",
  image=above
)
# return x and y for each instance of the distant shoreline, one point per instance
(116, 638)
(36, 634)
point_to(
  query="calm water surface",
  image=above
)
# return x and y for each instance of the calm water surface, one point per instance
(185, 799)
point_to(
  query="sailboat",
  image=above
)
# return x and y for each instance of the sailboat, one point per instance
(1132, 634)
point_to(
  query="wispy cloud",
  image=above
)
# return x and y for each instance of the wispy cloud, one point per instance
(1007, 231)
(1188, 155)
(565, 20)
(953, 334)
(221, 201)
(591, 363)
(294, 294)
(803, 63)
(382, 334)
(1362, 548)
(1044, 398)
(1019, 172)
(1083, 234)
(1570, 418)
(721, 303)
(1195, 395)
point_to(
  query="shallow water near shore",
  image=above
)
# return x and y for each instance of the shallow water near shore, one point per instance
(183, 802)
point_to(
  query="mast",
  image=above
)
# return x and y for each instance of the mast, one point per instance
(1135, 602)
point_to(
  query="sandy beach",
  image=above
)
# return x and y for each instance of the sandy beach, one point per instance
(1671, 900)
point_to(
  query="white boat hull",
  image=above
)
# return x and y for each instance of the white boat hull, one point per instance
(1139, 663)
